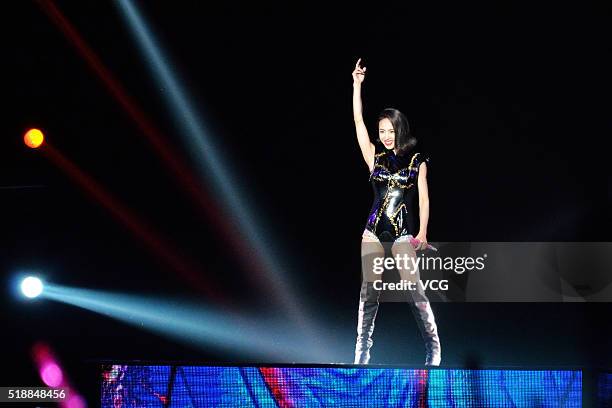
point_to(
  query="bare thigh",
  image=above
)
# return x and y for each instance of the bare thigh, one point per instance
(371, 248)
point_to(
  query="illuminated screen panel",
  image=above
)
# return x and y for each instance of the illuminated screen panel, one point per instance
(204, 386)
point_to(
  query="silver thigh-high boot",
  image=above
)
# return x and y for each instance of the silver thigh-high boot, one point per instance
(371, 249)
(420, 306)
(426, 323)
(368, 307)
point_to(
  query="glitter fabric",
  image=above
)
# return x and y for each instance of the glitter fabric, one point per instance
(395, 209)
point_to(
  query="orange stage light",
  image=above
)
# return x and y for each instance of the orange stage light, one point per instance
(33, 138)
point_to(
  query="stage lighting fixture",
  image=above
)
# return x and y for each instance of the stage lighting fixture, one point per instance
(31, 287)
(34, 138)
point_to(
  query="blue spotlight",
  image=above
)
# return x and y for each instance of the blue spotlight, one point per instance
(31, 287)
(246, 334)
(211, 164)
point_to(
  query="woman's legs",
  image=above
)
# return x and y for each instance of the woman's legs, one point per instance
(371, 248)
(419, 303)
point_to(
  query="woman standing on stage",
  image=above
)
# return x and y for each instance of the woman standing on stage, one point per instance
(398, 173)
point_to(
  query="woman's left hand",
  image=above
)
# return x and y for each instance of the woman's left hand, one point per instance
(422, 238)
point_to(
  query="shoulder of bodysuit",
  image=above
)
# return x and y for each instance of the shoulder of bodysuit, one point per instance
(420, 157)
(379, 149)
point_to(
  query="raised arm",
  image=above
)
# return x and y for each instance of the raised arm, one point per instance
(367, 148)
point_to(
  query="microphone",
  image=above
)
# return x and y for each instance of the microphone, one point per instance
(415, 242)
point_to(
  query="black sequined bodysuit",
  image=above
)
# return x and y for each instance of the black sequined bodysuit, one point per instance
(395, 209)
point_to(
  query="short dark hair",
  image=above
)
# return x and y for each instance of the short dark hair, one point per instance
(404, 140)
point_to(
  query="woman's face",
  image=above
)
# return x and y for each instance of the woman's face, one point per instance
(386, 133)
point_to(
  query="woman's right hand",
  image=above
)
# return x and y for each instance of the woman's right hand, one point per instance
(358, 73)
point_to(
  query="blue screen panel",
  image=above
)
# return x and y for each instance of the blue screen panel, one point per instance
(214, 386)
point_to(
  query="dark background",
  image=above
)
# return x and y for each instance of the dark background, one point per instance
(511, 102)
